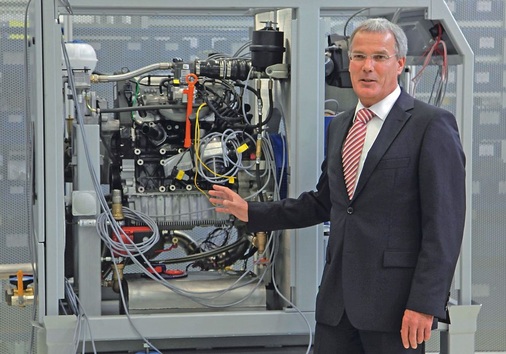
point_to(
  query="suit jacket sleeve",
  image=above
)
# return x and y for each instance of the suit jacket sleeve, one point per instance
(310, 208)
(442, 199)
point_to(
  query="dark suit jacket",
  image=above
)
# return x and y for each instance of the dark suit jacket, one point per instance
(395, 245)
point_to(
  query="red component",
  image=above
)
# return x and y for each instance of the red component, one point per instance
(191, 80)
(262, 261)
(174, 274)
(157, 269)
(132, 235)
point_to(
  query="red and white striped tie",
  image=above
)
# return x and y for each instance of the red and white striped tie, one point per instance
(353, 148)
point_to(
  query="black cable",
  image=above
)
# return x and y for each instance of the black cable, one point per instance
(198, 256)
(249, 88)
(350, 18)
(224, 105)
(133, 109)
(213, 235)
(219, 115)
(271, 109)
(165, 84)
(259, 181)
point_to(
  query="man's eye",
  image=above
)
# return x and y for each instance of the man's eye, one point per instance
(358, 57)
(380, 57)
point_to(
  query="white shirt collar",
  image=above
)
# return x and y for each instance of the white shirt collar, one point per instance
(383, 107)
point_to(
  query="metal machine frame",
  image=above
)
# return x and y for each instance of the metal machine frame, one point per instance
(303, 20)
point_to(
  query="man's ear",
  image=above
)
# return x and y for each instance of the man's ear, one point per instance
(402, 63)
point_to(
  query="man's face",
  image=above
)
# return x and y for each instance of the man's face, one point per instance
(373, 80)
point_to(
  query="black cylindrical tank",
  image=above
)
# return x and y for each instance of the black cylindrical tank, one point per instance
(267, 47)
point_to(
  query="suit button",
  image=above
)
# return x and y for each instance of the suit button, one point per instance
(349, 210)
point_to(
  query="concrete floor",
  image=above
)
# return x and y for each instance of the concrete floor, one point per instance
(289, 350)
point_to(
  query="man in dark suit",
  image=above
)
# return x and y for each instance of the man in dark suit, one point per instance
(396, 228)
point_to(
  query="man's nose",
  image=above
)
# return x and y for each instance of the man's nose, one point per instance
(368, 64)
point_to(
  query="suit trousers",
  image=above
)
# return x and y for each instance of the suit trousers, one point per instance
(346, 339)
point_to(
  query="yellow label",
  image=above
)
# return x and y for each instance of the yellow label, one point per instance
(180, 175)
(242, 148)
(231, 180)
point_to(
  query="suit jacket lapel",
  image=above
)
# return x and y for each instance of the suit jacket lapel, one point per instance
(340, 135)
(393, 124)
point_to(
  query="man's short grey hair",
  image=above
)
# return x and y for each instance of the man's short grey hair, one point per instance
(382, 25)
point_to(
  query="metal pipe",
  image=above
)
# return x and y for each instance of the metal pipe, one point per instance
(111, 78)
(7, 270)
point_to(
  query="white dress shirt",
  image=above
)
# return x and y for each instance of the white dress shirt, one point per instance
(381, 111)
